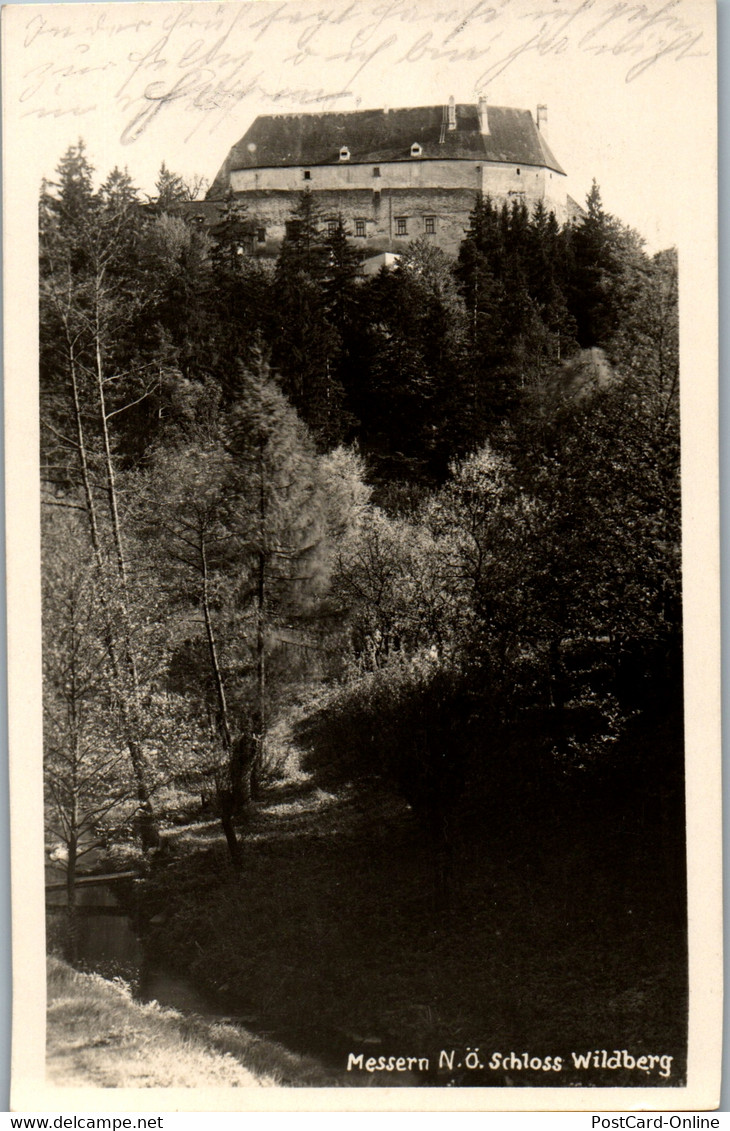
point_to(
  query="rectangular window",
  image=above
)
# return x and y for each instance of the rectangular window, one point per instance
(376, 171)
(307, 175)
(331, 227)
(401, 226)
(360, 228)
(293, 228)
(430, 222)
(261, 235)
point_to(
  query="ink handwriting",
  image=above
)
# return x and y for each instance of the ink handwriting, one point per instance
(210, 58)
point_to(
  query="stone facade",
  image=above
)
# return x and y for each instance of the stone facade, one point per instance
(393, 176)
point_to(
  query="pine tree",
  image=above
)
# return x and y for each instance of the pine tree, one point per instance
(606, 255)
(171, 189)
(410, 395)
(303, 250)
(306, 348)
(75, 192)
(341, 279)
(232, 235)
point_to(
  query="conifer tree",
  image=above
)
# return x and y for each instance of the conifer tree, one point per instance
(606, 255)
(170, 188)
(305, 344)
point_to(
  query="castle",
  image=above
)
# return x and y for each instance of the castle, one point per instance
(393, 175)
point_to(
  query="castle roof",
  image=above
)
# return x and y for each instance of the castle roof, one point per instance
(371, 136)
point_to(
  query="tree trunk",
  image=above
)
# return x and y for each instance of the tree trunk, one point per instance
(235, 850)
(232, 795)
(149, 832)
(243, 757)
(257, 764)
(148, 826)
(71, 940)
(110, 473)
(258, 757)
(225, 724)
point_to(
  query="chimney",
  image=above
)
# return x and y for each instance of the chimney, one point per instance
(452, 113)
(542, 120)
(483, 115)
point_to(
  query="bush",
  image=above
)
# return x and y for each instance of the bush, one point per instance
(411, 724)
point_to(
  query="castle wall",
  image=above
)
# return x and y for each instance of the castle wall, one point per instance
(507, 182)
(390, 219)
(408, 200)
(416, 173)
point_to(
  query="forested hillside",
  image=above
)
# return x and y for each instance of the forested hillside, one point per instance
(411, 540)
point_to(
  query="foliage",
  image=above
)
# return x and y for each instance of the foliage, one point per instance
(453, 487)
(513, 272)
(89, 786)
(409, 724)
(606, 255)
(311, 277)
(90, 792)
(407, 387)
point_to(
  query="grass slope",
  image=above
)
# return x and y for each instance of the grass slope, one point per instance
(565, 934)
(97, 1036)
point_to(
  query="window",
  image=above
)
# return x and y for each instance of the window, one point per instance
(331, 227)
(261, 235)
(344, 153)
(518, 172)
(307, 175)
(416, 150)
(430, 222)
(293, 228)
(360, 228)
(401, 226)
(376, 171)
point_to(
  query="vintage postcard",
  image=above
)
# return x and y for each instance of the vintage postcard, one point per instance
(362, 528)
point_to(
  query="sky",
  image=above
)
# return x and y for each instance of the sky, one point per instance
(628, 85)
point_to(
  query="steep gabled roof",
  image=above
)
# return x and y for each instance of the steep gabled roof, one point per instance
(280, 140)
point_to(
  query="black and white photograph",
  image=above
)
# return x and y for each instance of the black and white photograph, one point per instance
(362, 554)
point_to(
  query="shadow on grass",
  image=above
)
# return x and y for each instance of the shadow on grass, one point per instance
(97, 1035)
(565, 931)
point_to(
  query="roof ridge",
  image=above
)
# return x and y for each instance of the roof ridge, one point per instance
(385, 110)
(378, 135)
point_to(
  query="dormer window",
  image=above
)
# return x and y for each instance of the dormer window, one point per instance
(416, 150)
(344, 153)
